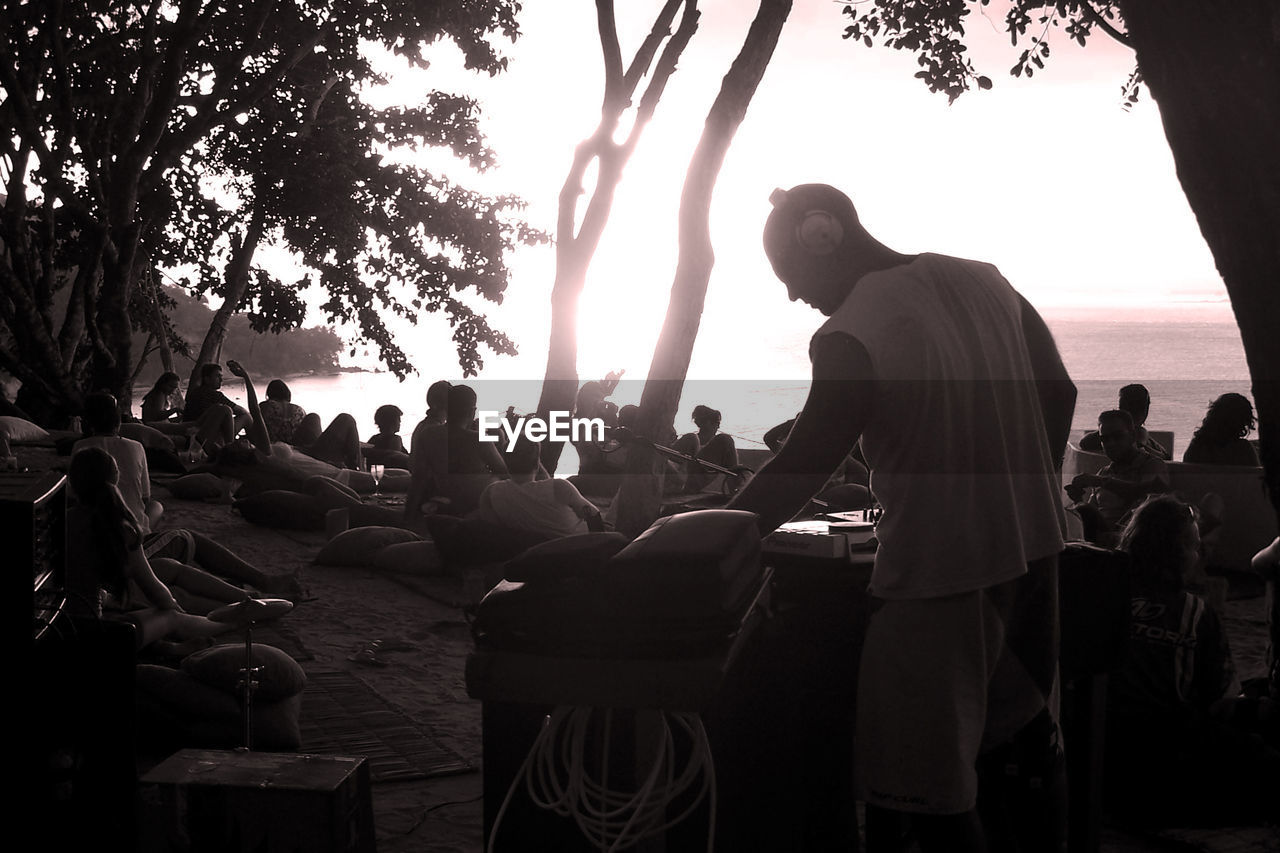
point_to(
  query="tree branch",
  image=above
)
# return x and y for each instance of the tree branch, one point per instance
(644, 56)
(615, 98)
(1107, 27)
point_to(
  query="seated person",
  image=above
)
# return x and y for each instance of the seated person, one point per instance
(602, 465)
(102, 425)
(1171, 755)
(262, 464)
(707, 443)
(387, 448)
(338, 444)
(592, 399)
(437, 410)
(162, 409)
(450, 466)
(281, 415)
(549, 507)
(1136, 400)
(207, 394)
(1103, 500)
(159, 405)
(1220, 439)
(108, 571)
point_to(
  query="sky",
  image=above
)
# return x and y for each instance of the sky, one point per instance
(1073, 197)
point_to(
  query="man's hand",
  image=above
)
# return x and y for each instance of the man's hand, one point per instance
(237, 369)
(1088, 481)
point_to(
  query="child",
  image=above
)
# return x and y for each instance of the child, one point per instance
(387, 448)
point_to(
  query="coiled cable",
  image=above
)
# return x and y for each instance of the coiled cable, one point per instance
(556, 776)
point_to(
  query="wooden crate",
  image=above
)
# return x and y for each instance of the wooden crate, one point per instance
(202, 801)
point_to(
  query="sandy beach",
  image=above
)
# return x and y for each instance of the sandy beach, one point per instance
(344, 610)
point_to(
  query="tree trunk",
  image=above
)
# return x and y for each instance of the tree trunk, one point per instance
(640, 497)
(237, 283)
(576, 245)
(110, 329)
(1213, 66)
(155, 318)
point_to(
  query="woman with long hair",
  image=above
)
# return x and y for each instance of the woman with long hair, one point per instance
(112, 574)
(1220, 438)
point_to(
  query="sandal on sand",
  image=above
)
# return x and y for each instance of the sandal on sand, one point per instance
(392, 644)
(368, 657)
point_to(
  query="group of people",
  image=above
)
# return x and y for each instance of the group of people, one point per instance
(1136, 462)
(123, 565)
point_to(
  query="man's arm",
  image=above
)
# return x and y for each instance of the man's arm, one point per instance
(840, 403)
(1053, 384)
(257, 431)
(1155, 482)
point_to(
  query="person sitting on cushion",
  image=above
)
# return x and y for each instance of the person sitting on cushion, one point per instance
(1119, 486)
(550, 507)
(102, 422)
(208, 394)
(262, 464)
(281, 415)
(387, 448)
(437, 411)
(158, 404)
(450, 461)
(108, 571)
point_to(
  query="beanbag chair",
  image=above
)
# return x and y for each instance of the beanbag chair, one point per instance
(177, 710)
(360, 546)
(18, 430)
(282, 509)
(370, 515)
(568, 556)
(409, 558)
(145, 435)
(330, 492)
(394, 481)
(279, 676)
(472, 542)
(196, 487)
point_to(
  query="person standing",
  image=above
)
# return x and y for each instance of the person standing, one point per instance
(955, 387)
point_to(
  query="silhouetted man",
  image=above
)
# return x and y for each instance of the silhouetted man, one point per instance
(1136, 400)
(955, 388)
(1131, 475)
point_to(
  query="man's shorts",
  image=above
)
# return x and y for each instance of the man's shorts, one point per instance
(942, 680)
(176, 544)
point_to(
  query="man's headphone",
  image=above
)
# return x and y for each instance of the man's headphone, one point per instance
(818, 232)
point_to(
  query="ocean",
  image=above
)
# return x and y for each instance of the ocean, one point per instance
(1186, 355)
